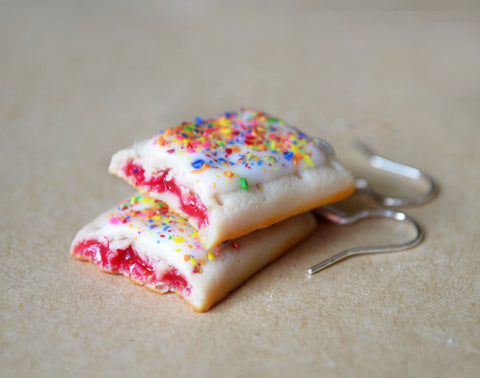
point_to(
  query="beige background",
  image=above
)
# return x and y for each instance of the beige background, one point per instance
(80, 80)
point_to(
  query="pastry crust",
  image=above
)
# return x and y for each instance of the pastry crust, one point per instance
(158, 249)
(235, 173)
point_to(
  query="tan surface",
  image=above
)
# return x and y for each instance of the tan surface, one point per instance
(79, 81)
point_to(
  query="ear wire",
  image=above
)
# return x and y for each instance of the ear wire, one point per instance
(336, 216)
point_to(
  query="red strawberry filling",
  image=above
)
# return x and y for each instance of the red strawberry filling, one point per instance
(190, 204)
(130, 264)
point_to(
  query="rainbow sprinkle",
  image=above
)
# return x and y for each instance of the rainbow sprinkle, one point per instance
(244, 184)
(242, 147)
(149, 217)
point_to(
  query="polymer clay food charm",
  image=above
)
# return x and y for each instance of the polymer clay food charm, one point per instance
(219, 199)
(235, 173)
(142, 240)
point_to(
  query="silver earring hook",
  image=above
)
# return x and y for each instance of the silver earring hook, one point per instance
(391, 166)
(336, 216)
(341, 218)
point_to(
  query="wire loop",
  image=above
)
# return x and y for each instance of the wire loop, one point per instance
(336, 216)
(391, 166)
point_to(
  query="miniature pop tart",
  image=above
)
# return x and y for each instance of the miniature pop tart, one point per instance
(235, 173)
(142, 240)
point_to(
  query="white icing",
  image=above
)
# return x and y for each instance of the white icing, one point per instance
(142, 222)
(228, 156)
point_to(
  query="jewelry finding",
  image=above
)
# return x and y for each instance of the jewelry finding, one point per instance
(339, 217)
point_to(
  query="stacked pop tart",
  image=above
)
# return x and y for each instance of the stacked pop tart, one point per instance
(219, 198)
